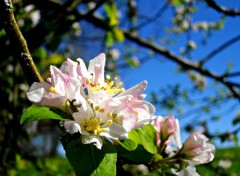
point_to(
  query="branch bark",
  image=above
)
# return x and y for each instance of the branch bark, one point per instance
(186, 64)
(221, 9)
(18, 43)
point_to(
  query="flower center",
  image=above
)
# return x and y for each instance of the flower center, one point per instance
(109, 86)
(94, 126)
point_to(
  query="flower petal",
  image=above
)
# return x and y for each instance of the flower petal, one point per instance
(96, 140)
(96, 66)
(72, 127)
(135, 91)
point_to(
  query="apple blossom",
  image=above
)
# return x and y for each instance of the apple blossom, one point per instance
(56, 91)
(100, 107)
(165, 127)
(196, 149)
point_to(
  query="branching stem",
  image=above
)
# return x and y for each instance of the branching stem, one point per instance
(18, 43)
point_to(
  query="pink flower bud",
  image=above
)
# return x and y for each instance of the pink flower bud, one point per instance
(165, 127)
(197, 149)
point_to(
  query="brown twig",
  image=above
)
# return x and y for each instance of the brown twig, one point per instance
(18, 43)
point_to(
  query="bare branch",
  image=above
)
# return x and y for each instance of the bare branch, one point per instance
(220, 49)
(18, 42)
(153, 18)
(186, 64)
(231, 74)
(224, 10)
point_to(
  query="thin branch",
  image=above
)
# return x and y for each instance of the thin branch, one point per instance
(232, 74)
(186, 64)
(153, 18)
(221, 9)
(220, 48)
(18, 42)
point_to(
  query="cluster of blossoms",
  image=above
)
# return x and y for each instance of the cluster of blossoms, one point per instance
(100, 107)
(194, 151)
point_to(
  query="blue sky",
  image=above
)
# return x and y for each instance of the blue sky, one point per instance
(161, 73)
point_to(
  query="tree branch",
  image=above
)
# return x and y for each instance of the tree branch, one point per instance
(166, 53)
(186, 64)
(221, 9)
(19, 45)
(220, 48)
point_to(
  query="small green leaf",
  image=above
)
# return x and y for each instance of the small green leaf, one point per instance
(128, 144)
(35, 112)
(118, 34)
(111, 11)
(109, 39)
(147, 137)
(177, 2)
(139, 155)
(140, 146)
(86, 159)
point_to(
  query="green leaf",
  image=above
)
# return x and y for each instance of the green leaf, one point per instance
(138, 156)
(109, 39)
(177, 2)
(140, 146)
(118, 34)
(111, 11)
(86, 159)
(35, 112)
(147, 137)
(128, 144)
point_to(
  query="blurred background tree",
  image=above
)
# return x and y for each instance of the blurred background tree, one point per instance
(187, 33)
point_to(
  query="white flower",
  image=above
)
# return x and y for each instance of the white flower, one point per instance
(107, 109)
(59, 89)
(196, 149)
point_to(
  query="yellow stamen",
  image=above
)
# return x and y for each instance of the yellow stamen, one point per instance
(108, 77)
(109, 122)
(101, 110)
(52, 90)
(114, 115)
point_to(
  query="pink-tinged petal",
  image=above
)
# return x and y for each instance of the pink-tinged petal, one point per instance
(197, 150)
(128, 118)
(143, 109)
(166, 127)
(98, 97)
(83, 72)
(53, 100)
(82, 69)
(69, 67)
(177, 136)
(115, 131)
(135, 91)
(37, 91)
(96, 140)
(157, 123)
(96, 67)
(206, 156)
(40, 95)
(83, 113)
(72, 127)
